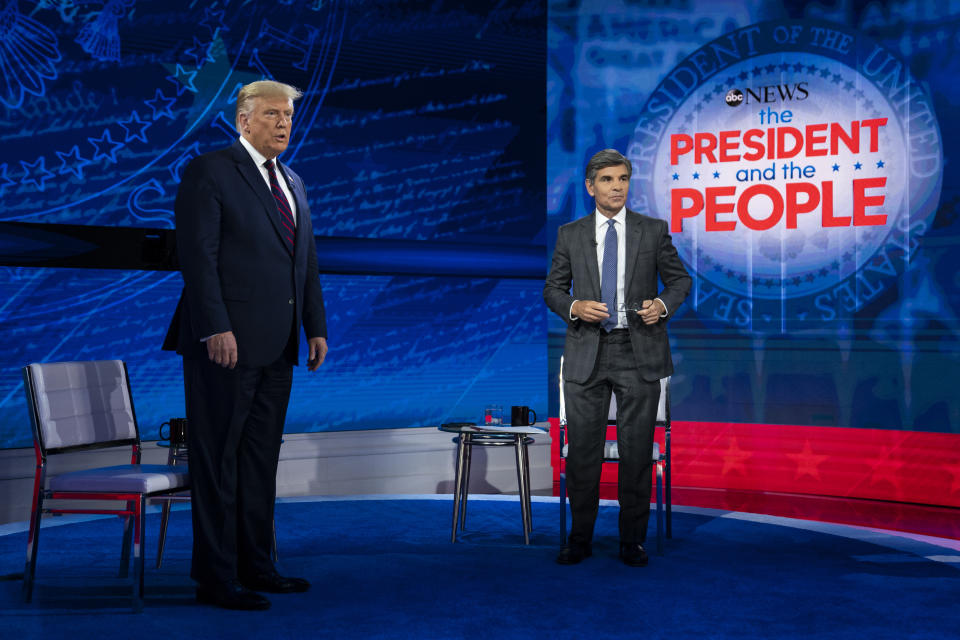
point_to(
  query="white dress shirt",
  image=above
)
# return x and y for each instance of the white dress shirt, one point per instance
(259, 159)
(601, 225)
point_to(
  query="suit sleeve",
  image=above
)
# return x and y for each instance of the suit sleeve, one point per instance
(556, 290)
(676, 280)
(198, 210)
(314, 314)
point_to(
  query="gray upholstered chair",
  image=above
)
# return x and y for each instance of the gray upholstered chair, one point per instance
(81, 406)
(661, 459)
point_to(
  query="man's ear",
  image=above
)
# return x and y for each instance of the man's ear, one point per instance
(589, 185)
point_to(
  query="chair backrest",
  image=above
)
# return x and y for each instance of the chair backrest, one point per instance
(663, 408)
(80, 404)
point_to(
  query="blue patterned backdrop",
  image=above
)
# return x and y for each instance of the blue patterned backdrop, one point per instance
(420, 137)
(865, 338)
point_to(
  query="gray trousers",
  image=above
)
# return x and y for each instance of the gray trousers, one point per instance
(587, 406)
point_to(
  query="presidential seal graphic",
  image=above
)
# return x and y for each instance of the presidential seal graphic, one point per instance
(797, 163)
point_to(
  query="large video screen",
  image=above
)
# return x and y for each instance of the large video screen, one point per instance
(419, 120)
(801, 154)
(420, 139)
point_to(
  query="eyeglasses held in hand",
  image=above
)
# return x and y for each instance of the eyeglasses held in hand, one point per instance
(624, 308)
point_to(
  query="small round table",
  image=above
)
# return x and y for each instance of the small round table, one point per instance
(470, 435)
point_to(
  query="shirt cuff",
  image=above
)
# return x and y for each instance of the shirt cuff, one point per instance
(666, 311)
(573, 317)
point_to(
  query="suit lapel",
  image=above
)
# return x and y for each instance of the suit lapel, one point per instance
(251, 174)
(300, 202)
(634, 233)
(588, 244)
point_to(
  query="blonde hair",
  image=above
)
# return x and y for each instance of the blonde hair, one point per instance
(262, 89)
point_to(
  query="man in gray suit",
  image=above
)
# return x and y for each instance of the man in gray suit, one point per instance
(616, 343)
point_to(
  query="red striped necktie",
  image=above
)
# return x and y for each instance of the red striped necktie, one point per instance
(287, 225)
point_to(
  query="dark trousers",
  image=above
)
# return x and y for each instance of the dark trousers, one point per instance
(587, 406)
(235, 419)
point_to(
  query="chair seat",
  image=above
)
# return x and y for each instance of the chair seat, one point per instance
(610, 451)
(138, 478)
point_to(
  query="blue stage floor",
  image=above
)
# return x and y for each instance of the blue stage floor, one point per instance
(383, 567)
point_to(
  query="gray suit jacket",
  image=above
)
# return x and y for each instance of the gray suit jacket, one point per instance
(650, 253)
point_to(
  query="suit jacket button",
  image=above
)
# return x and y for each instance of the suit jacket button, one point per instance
(290, 301)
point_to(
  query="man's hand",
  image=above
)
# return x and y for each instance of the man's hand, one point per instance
(650, 311)
(590, 310)
(222, 349)
(318, 352)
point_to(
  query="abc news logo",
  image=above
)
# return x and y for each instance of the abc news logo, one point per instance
(767, 94)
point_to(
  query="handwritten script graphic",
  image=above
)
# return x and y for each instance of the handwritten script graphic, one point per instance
(420, 122)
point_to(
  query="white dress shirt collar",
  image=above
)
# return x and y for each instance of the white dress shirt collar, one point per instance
(621, 218)
(259, 159)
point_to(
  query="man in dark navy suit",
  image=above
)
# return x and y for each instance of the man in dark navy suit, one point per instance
(616, 343)
(248, 258)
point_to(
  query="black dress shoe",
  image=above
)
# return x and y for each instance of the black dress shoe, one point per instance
(231, 595)
(275, 583)
(633, 554)
(574, 553)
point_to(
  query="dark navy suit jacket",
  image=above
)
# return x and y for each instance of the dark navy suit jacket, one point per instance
(237, 270)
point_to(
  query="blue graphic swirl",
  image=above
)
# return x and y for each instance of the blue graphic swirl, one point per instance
(28, 55)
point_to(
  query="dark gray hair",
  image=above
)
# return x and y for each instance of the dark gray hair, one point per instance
(604, 159)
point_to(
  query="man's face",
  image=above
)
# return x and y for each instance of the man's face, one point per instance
(609, 189)
(268, 125)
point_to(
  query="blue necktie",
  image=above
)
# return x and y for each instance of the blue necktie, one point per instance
(608, 276)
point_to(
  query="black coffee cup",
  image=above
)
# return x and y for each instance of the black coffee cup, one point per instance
(178, 431)
(520, 416)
